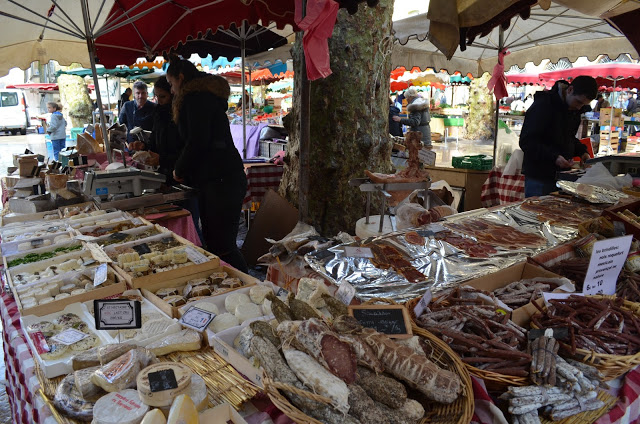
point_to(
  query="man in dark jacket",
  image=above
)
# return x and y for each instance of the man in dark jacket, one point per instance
(548, 137)
(419, 118)
(395, 128)
(137, 112)
(632, 104)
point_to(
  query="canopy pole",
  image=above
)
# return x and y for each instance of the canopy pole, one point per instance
(243, 39)
(305, 136)
(92, 57)
(495, 139)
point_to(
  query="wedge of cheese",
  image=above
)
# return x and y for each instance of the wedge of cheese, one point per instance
(183, 411)
(182, 341)
(155, 416)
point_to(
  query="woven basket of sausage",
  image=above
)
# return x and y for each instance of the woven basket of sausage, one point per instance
(604, 331)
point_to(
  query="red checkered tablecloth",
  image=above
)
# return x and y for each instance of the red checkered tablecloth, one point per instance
(259, 180)
(501, 189)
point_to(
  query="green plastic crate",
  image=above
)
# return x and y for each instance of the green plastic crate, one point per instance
(475, 162)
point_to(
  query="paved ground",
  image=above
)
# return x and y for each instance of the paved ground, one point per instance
(10, 144)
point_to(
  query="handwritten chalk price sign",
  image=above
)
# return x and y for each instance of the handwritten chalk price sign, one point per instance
(424, 302)
(345, 293)
(117, 314)
(392, 320)
(607, 260)
(197, 319)
(358, 252)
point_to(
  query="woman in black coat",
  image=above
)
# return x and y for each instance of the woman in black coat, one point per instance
(209, 160)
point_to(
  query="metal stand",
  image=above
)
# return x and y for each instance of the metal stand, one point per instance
(369, 187)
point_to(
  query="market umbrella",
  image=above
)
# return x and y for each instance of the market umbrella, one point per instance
(612, 74)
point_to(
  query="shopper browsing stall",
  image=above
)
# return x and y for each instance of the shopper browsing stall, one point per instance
(57, 128)
(548, 137)
(137, 112)
(419, 118)
(209, 160)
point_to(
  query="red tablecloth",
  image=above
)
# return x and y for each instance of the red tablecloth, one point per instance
(500, 189)
(259, 180)
(182, 226)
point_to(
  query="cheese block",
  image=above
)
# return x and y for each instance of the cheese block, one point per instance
(155, 416)
(122, 407)
(182, 375)
(197, 392)
(85, 387)
(182, 341)
(183, 411)
(121, 373)
(100, 355)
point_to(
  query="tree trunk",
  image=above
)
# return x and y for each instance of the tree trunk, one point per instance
(481, 122)
(349, 119)
(75, 99)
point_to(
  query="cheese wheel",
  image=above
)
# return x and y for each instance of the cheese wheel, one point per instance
(197, 392)
(258, 293)
(183, 411)
(122, 407)
(247, 311)
(222, 322)
(155, 416)
(234, 299)
(165, 397)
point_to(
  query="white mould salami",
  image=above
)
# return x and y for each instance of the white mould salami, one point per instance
(318, 379)
(419, 372)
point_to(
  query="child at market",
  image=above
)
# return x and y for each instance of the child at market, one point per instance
(57, 128)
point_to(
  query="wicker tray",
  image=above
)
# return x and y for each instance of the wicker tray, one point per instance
(612, 366)
(458, 412)
(495, 382)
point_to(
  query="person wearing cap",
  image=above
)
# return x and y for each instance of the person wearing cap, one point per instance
(419, 118)
(548, 137)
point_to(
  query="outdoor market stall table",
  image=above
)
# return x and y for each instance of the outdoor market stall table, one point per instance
(253, 139)
(260, 178)
(501, 189)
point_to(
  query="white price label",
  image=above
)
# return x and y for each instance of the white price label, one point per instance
(282, 292)
(195, 256)
(423, 303)
(98, 254)
(358, 252)
(117, 314)
(428, 157)
(345, 293)
(197, 319)
(83, 237)
(69, 336)
(607, 260)
(100, 276)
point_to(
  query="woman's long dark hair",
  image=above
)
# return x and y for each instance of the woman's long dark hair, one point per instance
(179, 66)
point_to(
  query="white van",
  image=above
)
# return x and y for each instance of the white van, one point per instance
(13, 111)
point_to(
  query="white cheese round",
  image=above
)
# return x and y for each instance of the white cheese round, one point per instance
(122, 407)
(222, 322)
(247, 311)
(258, 293)
(165, 397)
(234, 299)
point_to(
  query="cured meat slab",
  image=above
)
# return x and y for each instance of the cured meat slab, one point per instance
(497, 235)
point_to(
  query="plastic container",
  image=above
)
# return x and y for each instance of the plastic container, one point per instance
(75, 131)
(476, 162)
(49, 148)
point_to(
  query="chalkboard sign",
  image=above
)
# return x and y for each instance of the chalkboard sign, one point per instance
(142, 248)
(162, 380)
(392, 320)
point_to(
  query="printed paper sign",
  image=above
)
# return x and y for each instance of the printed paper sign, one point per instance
(117, 314)
(428, 157)
(195, 256)
(197, 319)
(345, 293)
(98, 254)
(69, 336)
(100, 276)
(423, 303)
(282, 292)
(607, 260)
(358, 252)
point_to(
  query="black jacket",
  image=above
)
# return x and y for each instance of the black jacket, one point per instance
(209, 154)
(632, 106)
(395, 128)
(165, 140)
(549, 130)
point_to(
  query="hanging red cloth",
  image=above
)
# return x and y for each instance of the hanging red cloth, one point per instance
(498, 81)
(317, 26)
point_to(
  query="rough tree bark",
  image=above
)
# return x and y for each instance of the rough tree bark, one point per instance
(75, 99)
(481, 122)
(349, 119)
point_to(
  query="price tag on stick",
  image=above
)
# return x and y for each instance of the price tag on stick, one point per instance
(358, 252)
(100, 276)
(423, 303)
(117, 314)
(345, 293)
(607, 260)
(197, 319)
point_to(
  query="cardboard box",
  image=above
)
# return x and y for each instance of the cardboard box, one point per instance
(30, 217)
(520, 271)
(26, 166)
(630, 226)
(148, 291)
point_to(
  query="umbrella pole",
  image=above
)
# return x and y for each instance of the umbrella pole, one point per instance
(244, 106)
(305, 136)
(92, 57)
(495, 139)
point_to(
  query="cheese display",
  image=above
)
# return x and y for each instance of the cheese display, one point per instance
(155, 416)
(121, 373)
(123, 407)
(182, 341)
(183, 411)
(157, 374)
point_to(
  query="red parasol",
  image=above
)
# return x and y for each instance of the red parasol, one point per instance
(626, 75)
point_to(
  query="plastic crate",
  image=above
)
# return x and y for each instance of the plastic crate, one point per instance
(476, 162)
(75, 131)
(276, 147)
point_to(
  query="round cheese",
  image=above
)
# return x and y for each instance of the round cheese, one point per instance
(234, 299)
(247, 311)
(122, 407)
(222, 322)
(165, 397)
(258, 293)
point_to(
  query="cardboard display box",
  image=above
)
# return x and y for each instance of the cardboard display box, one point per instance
(630, 226)
(520, 271)
(148, 291)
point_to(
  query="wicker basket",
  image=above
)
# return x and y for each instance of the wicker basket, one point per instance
(612, 366)
(458, 412)
(495, 382)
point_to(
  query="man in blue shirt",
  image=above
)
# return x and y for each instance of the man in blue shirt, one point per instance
(137, 112)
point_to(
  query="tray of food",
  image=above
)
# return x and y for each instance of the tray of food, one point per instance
(46, 251)
(32, 231)
(99, 217)
(61, 235)
(129, 235)
(80, 210)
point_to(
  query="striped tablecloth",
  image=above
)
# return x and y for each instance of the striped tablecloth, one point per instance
(259, 180)
(501, 189)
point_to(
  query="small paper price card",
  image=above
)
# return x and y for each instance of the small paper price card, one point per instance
(607, 260)
(195, 256)
(197, 319)
(100, 276)
(424, 302)
(282, 292)
(69, 336)
(37, 243)
(117, 314)
(358, 252)
(428, 157)
(345, 293)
